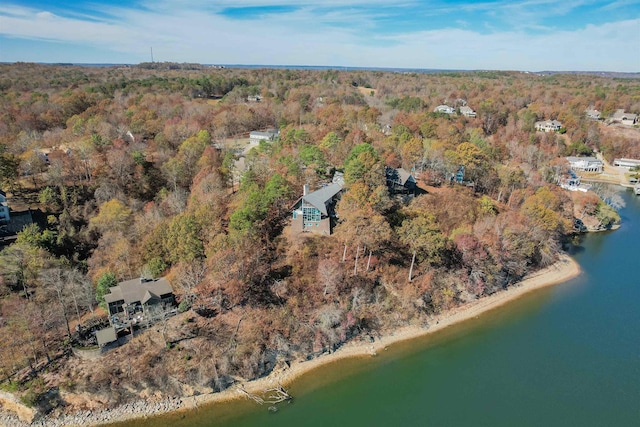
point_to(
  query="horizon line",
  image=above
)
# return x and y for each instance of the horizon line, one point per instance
(327, 67)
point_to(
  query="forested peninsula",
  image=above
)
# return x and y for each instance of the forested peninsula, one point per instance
(270, 216)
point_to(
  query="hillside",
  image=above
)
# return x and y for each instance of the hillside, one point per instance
(133, 172)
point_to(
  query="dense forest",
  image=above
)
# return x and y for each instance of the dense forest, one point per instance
(133, 171)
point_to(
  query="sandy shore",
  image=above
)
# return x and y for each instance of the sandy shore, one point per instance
(566, 268)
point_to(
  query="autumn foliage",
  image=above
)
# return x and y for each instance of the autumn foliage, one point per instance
(147, 171)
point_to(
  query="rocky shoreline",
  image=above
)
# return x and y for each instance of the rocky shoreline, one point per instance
(564, 269)
(136, 409)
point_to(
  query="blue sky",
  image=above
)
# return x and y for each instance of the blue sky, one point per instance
(582, 35)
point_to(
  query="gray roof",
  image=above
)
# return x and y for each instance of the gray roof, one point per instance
(465, 109)
(105, 336)
(573, 159)
(399, 175)
(621, 114)
(138, 290)
(319, 198)
(618, 114)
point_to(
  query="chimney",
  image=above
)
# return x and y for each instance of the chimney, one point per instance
(305, 189)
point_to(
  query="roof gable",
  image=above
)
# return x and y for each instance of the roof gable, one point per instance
(138, 290)
(319, 198)
(399, 175)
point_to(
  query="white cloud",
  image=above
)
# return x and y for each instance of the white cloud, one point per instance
(595, 47)
(620, 4)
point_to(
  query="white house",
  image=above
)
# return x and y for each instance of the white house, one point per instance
(548, 126)
(585, 164)
(4, 207)
(467, 111)
(625, 118)
(269, 135)
(593, 114)
(444, 109)
(626, 163)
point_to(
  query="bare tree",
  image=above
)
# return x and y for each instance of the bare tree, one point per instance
(54, 280)
(329, 275)
(81, 291)
(190, 276)
(609, 194)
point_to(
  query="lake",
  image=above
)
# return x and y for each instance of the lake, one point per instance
(566, 355)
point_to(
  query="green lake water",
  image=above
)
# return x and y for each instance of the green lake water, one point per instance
(567, 355)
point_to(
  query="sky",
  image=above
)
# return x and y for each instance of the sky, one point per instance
(526, 35)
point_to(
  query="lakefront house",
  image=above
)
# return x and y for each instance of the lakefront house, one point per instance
(4, 208)
(585, 164)
(137, 297)
(315, 211)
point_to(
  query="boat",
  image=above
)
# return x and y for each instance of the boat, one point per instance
(636, 189)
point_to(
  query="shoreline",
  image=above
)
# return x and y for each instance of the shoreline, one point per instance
(561, 271)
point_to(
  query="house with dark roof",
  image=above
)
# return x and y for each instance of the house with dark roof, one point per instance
(4, 208)
(400, 181)
(138, 297)
(315, 211)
